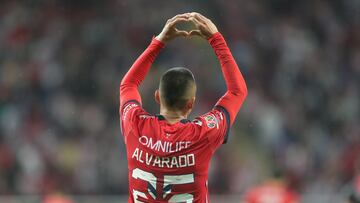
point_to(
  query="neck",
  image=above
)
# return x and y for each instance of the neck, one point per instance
(172, 116)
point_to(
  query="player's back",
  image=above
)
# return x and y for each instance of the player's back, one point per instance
(169, 162)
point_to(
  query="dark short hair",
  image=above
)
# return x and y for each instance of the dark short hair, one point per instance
(174, 86)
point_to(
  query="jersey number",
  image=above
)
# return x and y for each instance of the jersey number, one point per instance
(169, 181)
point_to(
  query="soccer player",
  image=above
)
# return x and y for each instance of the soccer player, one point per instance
(168, 155)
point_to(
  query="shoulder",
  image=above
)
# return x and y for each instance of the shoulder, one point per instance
(133, 112)
(134, 117)
(211, 119)
(129, 105)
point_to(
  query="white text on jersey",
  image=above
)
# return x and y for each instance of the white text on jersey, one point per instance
(163, 146)
(161, 162)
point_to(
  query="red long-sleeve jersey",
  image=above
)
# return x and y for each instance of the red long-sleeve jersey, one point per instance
(169, 162)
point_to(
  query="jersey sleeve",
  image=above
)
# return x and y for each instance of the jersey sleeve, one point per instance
(236, 92)
(129, 116)
(130, 100)
(215, 126)
(137, 73)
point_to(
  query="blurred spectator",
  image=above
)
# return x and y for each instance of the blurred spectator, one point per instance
(274, 190)
(57, 198)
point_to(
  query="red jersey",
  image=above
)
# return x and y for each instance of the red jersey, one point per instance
(271, 193)
(169, 162)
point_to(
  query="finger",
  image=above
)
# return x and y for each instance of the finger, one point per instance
(198, 17)
(196, 33)
(197, 22)
(172, 19)
(203, 18)
(182, 19)
(195, 13)
(184, 15)
(181, 33)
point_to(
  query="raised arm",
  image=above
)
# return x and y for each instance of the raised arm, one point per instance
(236, 92)
(138, 71)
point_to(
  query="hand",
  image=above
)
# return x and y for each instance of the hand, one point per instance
(170, 32)
(205, 28)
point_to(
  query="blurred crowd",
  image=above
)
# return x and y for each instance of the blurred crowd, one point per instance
(61, 62)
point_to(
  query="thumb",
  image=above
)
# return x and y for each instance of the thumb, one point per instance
(181, 33)
(196, 33)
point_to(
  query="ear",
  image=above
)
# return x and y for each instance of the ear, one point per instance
(157, 96)
(190, 103)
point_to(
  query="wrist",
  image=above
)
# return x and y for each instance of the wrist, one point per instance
(161, 38)
(214, 35)
(156, 41)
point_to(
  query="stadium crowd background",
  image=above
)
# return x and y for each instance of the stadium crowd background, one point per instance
(61, 62)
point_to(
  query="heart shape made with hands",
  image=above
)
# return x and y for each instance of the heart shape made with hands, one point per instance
(199, 25)
(185, 25)
(189, 27)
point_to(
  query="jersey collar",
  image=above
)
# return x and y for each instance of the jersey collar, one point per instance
(162, 118)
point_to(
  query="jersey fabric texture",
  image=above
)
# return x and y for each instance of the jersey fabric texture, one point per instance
(169, 162)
